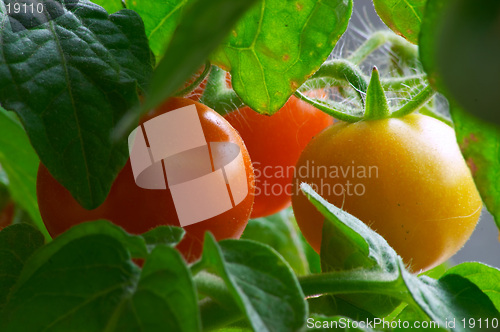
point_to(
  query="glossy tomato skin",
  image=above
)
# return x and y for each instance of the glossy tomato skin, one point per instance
(275, 144)
(138, 210)
(418, 191)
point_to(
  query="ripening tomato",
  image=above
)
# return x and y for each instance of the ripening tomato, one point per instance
(404, 177)
(138, 210)
(275, 144)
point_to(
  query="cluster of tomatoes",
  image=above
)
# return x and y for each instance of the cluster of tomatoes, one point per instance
(407, 177)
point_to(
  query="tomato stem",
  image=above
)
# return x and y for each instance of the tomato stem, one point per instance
(341, 112)
(399, 83)
(342, 70)
(378, 39)
(396, 83)
(195, 83)
(218, 96)
(415, 103)
(376, 104)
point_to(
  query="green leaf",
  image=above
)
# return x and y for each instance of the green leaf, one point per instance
(134, 244)
(279, 232)
(452, 296)
(88, 282)
(313, 258)
(415, 317)
(347, 242)
(261, 283)
(483, 276)
(17, 244)
(478, 142)
(111, 6)
(202, 29)
(165, 235)
(20, 163)
(87, 277)
(438, 271)
(342, 247)
(69, 80)
(160, 17)
(404, 17)
(460, 48)
(164, 300)
(278, 45)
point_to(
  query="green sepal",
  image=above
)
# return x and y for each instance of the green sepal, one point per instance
(376, 106)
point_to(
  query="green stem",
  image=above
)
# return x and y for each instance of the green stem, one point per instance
(323, 83)
(399, 83)
(195, 83)
(415, 103)
(378, 39)
(218, 96)
(342, 70)
(341, 114)
(352, 283)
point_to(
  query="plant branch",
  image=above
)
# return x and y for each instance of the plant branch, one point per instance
(399, 83)
(341, 113)
(217, 95)
(342, 70)
(415, 103)
(378, 39)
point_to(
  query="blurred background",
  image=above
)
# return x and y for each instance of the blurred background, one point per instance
(484, 245)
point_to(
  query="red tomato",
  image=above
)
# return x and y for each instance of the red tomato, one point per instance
(275, 144)
(138, 210)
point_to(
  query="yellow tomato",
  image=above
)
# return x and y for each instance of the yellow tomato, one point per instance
(404, 177)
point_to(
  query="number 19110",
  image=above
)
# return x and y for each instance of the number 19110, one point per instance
(24, 8)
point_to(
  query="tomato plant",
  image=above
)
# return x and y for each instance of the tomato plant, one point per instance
(412, 162)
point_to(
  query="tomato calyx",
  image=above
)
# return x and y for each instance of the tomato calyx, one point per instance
(376, 106)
